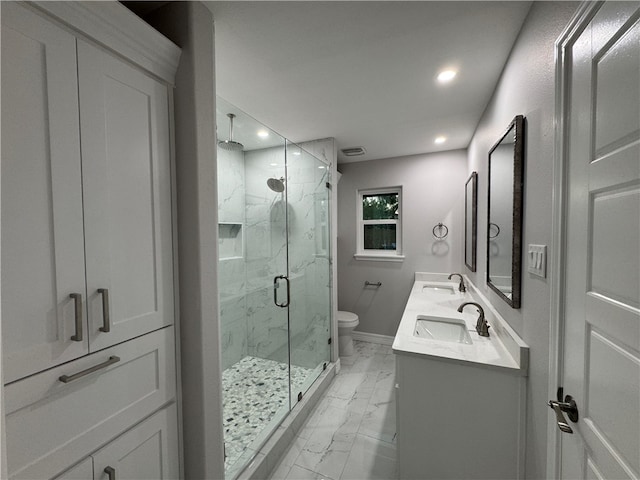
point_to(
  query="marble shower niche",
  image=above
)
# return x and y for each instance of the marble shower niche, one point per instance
(274, 278)
(230, 244)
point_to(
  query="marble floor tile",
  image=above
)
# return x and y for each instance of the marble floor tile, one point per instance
(330, 442)
(369, 361)
(287, 461)
(349, 386)
(379, 419)
(389, 362)
(299, 473)
(370, 459)
(350, 435)
(386, 381)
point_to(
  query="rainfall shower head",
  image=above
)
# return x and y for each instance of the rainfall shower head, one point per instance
(230, 144)
(276, 184)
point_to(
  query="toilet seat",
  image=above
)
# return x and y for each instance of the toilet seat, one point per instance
(347, 319)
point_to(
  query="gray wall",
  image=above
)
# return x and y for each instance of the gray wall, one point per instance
(527, 87)
(190, 26)
(432, 192)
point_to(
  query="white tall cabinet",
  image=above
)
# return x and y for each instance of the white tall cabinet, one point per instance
(88, 318)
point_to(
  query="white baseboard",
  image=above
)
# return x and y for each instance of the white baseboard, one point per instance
(372, 338)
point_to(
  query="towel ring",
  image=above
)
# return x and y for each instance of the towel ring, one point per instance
(440, 227)
(496, 228)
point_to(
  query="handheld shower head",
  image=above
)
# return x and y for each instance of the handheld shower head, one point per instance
(230, 145)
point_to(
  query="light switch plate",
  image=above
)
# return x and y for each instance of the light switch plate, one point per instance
(537, 258)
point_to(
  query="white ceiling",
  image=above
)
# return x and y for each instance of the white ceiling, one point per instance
(364, 72)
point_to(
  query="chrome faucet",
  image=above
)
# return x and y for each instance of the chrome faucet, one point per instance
(482, 327)
(461, 286)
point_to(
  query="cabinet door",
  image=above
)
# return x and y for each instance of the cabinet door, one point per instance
(82, 471)
(42, 233)
(147, 451)
(124, 117)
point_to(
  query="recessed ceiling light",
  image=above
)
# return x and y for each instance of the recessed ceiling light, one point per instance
(445, 76)
(273, 164)
(321, 167)
(439, 140)
(263, 133)
(297, 152)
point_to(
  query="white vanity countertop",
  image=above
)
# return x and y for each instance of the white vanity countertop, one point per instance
(502, 350)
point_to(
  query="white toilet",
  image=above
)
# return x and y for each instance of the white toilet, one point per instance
(347, 321)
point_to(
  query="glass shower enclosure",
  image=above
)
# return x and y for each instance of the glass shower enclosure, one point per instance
(274, 278)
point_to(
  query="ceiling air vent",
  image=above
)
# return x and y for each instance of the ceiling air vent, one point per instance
(353, 151)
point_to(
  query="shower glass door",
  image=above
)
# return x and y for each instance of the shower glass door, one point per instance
(309, 268)
(252, 233)
(273, 277)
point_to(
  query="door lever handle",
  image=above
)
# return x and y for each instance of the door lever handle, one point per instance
(569, 407)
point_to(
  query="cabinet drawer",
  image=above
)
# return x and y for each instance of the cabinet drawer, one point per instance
(148, 450)
(51, 424)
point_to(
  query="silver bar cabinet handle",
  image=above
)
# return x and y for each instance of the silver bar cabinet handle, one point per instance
(106, 320)
(111, 473)
(77, 298)
(70, 378)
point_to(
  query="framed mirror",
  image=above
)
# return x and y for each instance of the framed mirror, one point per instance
(504, 223)
(471, 221)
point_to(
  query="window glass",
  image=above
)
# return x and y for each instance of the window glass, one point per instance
(380, 237)
(380, 206)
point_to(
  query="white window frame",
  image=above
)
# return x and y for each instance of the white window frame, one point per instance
(379, 255)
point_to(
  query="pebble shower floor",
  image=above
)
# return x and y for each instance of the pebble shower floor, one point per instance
(256, 390)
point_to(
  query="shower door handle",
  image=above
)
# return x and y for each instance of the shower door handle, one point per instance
(275, 291)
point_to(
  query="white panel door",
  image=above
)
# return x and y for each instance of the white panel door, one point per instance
(124, 118)
(148, 451)
(602, 304)
(42, 232)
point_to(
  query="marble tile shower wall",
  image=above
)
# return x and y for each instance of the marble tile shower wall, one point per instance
(251, 323)
(267, 214)
(232, 271)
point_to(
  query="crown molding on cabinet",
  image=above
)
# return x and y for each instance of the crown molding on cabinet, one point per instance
(115, 27)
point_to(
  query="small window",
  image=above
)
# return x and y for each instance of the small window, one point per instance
(379, 224)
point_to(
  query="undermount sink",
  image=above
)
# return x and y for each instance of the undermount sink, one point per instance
(442, 328)
(439, 289)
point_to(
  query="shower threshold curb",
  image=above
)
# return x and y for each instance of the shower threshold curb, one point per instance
(271, 453)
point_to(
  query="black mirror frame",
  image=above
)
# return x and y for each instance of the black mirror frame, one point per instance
(518, 193)
(474, 220)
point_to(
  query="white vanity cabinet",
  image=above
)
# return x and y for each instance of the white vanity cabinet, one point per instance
(86, 197)
(461, 399)
(458, 421)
